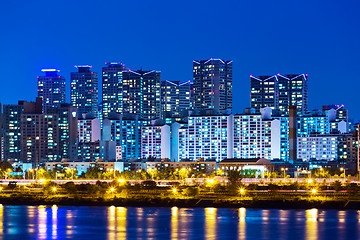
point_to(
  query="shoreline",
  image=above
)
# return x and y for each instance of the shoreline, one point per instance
(186, 203)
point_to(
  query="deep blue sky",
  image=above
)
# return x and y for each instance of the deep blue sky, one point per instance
(321, 38)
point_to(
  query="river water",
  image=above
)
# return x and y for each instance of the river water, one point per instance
(64, 222)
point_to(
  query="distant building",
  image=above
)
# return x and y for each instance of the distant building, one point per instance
(112, 98)
(12, 131)
(141, 93)
(212, 87)
(256, 137)
(89, 128)
(155, 142)
(175, 98)
(318, 124)
(131, 92)
(39, 139)
(207, 137)
(84, 90)
(125, 131)
(68, 134)
(264, 92)
(51, 88)
(279, 92)
(317, 147)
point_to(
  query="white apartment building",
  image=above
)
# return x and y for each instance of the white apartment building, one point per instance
(319, 147)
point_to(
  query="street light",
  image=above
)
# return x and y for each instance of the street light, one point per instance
(343, 169)
(284, 169)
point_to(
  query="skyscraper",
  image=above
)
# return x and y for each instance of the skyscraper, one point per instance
(11, 131)
(84, 90)
(51, 88)
(68, 130)
(293, 91)
(141, 93)
(175, 98)
(112, 88)
(212, 84)
(279, 92)
(135, 92)
(264, 92)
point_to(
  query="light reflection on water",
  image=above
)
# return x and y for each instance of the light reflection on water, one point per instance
(58, 222)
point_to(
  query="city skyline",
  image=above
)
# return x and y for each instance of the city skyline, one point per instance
(267, 45)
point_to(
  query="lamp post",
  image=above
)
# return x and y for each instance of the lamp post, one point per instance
(343, 169)
(284, 169)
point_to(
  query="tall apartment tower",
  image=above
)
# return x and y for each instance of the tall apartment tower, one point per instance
(212, 87)
(175, 98)
(293, 91)
(112, 88)
(68, 134)
(279, 92)
(264, 92)
(134, 92)
(11, 131)
(141, 93)
(51, 88)
(84, 90)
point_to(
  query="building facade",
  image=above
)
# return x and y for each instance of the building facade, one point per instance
(84, 90)
(212, 87)
(317, 147)
(51, 88)
(279, 92)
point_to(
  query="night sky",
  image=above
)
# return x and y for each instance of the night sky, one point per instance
(321, 38)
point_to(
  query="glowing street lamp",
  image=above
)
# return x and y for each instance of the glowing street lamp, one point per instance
(284, 169)
(242, 191)
(174, 190)
(343, 169)
(54, 189)
(313, 191)
(112, 189)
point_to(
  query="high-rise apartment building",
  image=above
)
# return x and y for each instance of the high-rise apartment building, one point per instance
(134, 92)
(39, 134)
(11, 131)
(112, 91)
(317, 147)
(68, 134)
(207, 137)
(256, 137)
(84, 90)
(212, 87)
(279, 92)
(51, 88)
(175, 98)
(293, 91)
(264, 92)
(155, 141)
(125, 131)
(141, 93)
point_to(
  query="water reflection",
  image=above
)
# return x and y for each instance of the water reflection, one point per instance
(210, 223)
(311, 224)
(54, 222)
(1, 218)
(111, 223)
(174, 223)
(242, 225)
(42, 216)
(54, 209)
(69, 223)
(121, 223)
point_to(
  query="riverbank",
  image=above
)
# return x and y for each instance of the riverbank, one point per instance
(274, 203)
